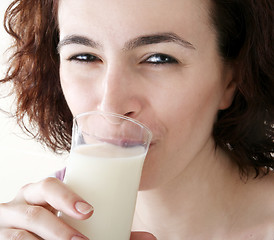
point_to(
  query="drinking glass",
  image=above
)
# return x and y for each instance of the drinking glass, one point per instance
(104, 167)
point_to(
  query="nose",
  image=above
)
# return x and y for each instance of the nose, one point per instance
(120, 92)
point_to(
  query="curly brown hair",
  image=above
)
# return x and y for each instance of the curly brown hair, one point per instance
(244, 31)
(34, 71)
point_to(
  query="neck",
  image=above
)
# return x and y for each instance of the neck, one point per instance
(195, 202)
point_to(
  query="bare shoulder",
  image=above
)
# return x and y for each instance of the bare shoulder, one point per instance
(255, 228)
(262, 190)
(265, 186)
(263, 194)
(261, 231)
(255, 213)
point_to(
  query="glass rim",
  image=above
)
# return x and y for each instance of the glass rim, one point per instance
(114, 115)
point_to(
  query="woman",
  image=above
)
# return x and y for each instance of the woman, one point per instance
(198, 73)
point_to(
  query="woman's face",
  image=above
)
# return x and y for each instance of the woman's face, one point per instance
(153, 60)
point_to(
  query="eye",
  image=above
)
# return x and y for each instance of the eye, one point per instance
(161, 59)
(85, 58)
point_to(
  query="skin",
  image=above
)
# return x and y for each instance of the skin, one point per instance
(175, 82)
(170, 98)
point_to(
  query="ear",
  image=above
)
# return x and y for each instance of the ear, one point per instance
(230, 86)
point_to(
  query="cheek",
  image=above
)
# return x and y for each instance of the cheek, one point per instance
(189, 114)
(187, 117)
(80, 96)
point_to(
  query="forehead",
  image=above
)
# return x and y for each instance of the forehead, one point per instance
(116, 18)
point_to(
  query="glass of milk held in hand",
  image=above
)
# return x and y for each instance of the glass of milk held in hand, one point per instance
(104, 167)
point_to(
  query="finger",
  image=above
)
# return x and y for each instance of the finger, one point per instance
(55, 193)
(34, 219)
(142, 236)
(7, 234)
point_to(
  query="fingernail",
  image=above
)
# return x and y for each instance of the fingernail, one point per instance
(79, 238)
(83, 208)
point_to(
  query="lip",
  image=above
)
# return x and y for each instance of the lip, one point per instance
(153, 143)
(121, 142)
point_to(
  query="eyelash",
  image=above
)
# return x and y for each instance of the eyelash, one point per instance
(84, 58)
(160, 59)
(155, 59)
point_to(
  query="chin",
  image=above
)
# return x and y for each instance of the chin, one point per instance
(147, 184)
(150, 173)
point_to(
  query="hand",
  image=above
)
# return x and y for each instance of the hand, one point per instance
(31, 215)
(142, 236)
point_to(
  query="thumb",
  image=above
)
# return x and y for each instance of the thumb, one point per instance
(142, 236)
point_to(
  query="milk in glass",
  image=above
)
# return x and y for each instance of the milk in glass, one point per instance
(107, 176)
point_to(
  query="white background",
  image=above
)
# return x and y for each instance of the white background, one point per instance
(22, 160)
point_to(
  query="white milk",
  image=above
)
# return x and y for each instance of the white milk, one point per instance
(110, 184)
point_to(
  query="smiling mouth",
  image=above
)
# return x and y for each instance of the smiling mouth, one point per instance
(153, 143)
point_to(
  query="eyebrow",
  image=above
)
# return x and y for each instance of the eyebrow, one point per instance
(157, 38)
(131, 44)
(77, 39)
